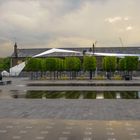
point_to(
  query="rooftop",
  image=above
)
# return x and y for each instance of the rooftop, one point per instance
(34, 51)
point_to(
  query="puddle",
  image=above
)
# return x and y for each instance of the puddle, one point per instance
(75, 94)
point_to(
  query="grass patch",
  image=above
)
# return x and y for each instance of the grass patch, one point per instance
(99, 77)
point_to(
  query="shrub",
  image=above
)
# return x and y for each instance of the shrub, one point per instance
(99, 77)
(117, 77)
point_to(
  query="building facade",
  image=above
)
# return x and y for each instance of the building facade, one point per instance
(20, 55)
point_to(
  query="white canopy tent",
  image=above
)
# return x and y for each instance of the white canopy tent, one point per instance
(112, 54)
(57, 50)
(5, 73)
(15, 71)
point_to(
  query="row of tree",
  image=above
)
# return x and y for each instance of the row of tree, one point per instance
(56, 65)
(125, 65)
(73, 65)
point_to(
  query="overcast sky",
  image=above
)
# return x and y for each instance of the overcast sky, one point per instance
(68, 23)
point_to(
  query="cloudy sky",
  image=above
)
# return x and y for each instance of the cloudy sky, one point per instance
(68, 23)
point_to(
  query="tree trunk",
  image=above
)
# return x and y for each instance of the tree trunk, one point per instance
(131, 74)
(70, 75)
(32, 77)
(57, 75)
(54, 75)
(90, 75)
(60, 74)
(50, 75)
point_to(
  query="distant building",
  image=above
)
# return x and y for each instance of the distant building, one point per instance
(19, 55)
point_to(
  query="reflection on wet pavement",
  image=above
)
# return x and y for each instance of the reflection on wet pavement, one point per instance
(75, 94)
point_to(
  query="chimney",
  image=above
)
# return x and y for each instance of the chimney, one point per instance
(93, 48)
(15, 50)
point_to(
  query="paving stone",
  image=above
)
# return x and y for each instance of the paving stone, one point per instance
(79, 131)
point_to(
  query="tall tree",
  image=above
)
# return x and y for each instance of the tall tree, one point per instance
(89, 64)
(60, 66)
(73, 65)
(51, 66)
(128, 65)
(109, 65)
(121, 66)
(131, 64)
(34, 66)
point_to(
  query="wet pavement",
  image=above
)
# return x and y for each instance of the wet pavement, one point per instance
(75, 109)
(61, 119)
(69, 130)
(21, 85)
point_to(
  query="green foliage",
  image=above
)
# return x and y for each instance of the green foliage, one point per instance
(34, 64)
(109, 63)
(43, 64)
(1, 64)
(122, 64)
(117, 77)
(60, 64)
(99, 77)
(4, 63)
(89, 63)
(72, 64)
(51, 64)
(64, 78)
(129, 63)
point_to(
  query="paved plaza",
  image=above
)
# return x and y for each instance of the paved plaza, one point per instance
(69, 130)
(67, 119)
(77, 109)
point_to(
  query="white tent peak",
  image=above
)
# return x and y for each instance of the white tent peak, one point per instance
(56, 50)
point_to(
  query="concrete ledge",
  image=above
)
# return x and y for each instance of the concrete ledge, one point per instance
(85, 83)
(83, 88)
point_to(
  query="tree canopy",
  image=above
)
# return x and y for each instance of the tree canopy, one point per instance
(4, 63)
(109, 63)
(89, 64)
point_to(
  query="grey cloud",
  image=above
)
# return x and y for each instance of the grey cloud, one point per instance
(63, 7)
(40, 23)
(3, 1)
